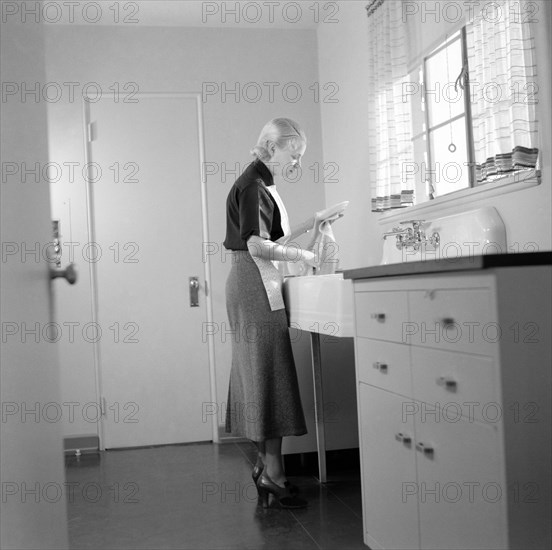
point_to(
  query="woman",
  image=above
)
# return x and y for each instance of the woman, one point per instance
(263, 398)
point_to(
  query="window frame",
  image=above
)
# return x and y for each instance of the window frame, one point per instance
(467, 107)
(515, 181)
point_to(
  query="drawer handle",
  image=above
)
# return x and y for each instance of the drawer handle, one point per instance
(380, 317)
(449, 383)
(382, 367)
(447, 321)
(423, 448)
(406, 439)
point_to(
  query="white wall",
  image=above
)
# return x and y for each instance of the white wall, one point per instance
(343, 59)
(179, 59)
(184, 59)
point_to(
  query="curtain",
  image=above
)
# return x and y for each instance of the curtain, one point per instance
(389, 120)
(502, 74)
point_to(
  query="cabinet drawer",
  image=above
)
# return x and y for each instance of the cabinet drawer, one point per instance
(384, 364)
(381, 315)
(461, 320)
(459, 384)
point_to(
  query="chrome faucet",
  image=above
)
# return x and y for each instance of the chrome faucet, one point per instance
(413, 236)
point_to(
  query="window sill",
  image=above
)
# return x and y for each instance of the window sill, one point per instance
(514, 182)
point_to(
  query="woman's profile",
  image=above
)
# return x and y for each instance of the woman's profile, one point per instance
(264, 403)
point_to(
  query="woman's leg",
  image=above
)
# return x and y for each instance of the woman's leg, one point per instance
(277, 484)
(261, 452)
(274, 465)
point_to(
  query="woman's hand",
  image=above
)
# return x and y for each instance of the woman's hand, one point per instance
(320, 216)
(330, 212)
(305, 263)
(318, 219)
(309, 258)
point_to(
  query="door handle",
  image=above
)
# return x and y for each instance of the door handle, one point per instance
(194, 292)
(382, 367)
(449, 383)
(69, 273)
(424, 448)
(403, 438)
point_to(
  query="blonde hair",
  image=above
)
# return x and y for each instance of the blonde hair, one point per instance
(282, 131)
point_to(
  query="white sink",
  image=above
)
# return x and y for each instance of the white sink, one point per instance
(470, 233)
(320, 303)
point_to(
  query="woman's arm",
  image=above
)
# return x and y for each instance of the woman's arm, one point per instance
(298, 230)
(269, 250)
(302, 228)
(313, 223)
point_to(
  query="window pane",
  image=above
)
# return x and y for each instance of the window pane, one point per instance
(443, 101)
(415, 93)
(451, 168)
(420, 154)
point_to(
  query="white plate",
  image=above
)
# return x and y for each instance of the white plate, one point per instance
(333, 210)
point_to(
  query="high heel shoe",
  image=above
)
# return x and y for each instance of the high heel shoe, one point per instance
(258, 470)
(284, 496)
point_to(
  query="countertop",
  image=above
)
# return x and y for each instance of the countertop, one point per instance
(466, 263)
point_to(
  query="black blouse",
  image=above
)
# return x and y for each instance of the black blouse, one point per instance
(250, 208)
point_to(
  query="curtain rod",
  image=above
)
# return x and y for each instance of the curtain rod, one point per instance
(373, 6)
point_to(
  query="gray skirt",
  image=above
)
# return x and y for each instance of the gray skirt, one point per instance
(263, 395)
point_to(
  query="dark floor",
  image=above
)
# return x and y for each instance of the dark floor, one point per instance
(202, 497)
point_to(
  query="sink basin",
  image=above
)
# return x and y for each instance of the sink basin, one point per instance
(320, 303)
(474, 232)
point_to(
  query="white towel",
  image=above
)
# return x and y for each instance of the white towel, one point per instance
(325, 248)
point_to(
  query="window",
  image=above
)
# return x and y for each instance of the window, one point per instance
(473, 101)
(442, 130)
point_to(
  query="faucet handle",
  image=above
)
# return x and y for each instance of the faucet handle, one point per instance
(414, 222)
(396, 231)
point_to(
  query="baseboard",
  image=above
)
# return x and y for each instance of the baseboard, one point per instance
(225, 437)
(81, 444)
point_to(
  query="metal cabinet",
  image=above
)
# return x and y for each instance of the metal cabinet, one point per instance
(453, 385)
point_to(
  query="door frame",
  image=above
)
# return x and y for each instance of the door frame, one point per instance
(92, 234)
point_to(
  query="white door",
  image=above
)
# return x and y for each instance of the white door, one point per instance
(34, 505)
(147, 223)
